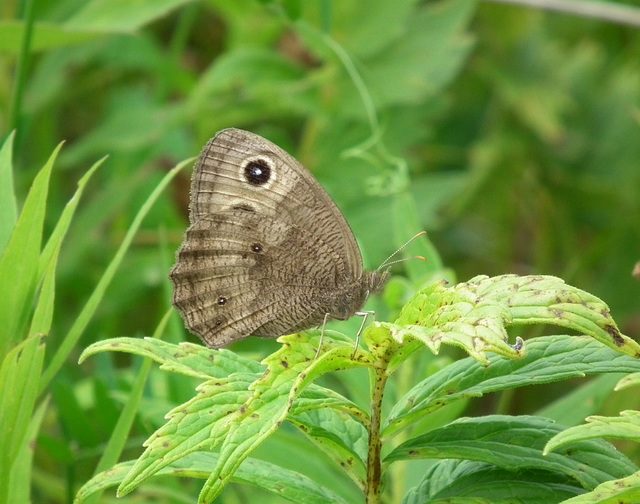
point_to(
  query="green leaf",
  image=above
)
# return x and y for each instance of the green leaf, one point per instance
(619, 491)
(8, 204)
(187, 358)
(60, 231)
(289, 371)
(463, 481)
(19, 376)
(587, 399)
(426, 55)
(341, 437)
(368, 28)
(515, 444)
(626, 426)
(45, 36)
(549, 358)
(43, 314)
(288, 485)
(120, 15)
(631, 380)
(235, 412)
(474, 314)
(19, 263)
(268, 79)
(21, 475)
(315, 397)
(91, 305)
(113, 450)
(200, 424)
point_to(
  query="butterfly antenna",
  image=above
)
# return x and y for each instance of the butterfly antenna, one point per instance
(387, 261)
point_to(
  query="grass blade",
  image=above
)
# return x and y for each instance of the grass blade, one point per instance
(89, 308)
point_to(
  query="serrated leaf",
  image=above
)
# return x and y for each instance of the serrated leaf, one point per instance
(289, 371)
(113, 449)
(475, 314)
(185, 358)
(515, 444)
(626, 426)
(620, 491)
(341, 437)
(463, 481)
(315, 397)
(549, 358)
(287, 484)
(234, 412)
(197, 425)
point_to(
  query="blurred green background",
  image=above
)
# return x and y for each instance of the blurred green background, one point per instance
(510, 134)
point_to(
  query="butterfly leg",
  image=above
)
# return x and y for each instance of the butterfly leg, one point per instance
(324, 324)
(364, 315)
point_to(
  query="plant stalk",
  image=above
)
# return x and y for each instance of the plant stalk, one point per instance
(374, 466)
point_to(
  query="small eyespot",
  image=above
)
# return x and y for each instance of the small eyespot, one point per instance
(257, 172)
(222, 301)
(257, 248)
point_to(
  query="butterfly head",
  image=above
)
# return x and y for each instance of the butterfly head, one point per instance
(377, 280)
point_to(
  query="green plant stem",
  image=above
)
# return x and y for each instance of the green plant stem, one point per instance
(23, 63)
(374, 468)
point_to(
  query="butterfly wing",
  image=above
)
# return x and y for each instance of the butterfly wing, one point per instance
(291, 194)
(267, 251)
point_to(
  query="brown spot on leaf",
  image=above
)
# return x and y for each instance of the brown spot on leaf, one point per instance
(615, 334)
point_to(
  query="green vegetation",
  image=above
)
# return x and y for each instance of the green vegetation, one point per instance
(510, 134)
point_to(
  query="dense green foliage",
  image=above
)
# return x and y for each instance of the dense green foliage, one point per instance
(510, 134)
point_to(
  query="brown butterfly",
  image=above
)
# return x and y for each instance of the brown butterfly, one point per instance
(267, 252)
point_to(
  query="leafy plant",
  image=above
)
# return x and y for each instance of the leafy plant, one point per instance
(27, 284)
(508, 132)
(240, 403)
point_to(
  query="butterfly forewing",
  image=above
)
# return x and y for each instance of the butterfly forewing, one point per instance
(292, 194)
